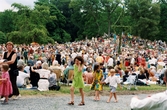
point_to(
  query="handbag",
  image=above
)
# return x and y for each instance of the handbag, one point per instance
(16, 72)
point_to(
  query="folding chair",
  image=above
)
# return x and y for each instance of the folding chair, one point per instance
(131, 81)
(70, 76)
(58, 74)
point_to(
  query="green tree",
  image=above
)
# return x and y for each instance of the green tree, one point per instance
(76, 18)
(88, 18)
(2, 38)
(163, 21)
(146, 17)
(96, 16)
(56, 27)
(6, 21)
(30, 24)
(69, 27)
(110, 8)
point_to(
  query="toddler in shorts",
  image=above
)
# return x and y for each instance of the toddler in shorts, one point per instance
(113, 82)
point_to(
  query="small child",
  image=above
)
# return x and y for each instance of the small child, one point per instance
(97, 78)
(113, 81)
(5, 86)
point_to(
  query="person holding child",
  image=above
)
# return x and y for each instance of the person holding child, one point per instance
(5, 85)
(97, 78)
(113, 82)
(10, 58)
(77, 80)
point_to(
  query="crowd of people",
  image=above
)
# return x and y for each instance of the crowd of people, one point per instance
(96, 61)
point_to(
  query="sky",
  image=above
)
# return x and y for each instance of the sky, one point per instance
(6, 4)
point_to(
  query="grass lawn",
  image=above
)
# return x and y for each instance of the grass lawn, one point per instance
(66, 90)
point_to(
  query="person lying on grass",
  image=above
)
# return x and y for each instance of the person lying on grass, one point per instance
(152, 102)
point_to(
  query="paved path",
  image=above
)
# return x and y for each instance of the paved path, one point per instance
(60, 103)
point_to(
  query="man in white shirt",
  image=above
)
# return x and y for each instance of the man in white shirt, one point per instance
(110, 62)
(22, 78)
(154, 102)
(153, 60)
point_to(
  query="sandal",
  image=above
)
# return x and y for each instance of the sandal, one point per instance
(116, 101)
(4, 102)
(71, 103)
(97, 99)
(81, 104)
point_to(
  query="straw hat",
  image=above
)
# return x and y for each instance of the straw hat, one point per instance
(10, 43)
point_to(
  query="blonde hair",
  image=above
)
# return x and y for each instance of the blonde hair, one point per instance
(45, 65)
(112, 70)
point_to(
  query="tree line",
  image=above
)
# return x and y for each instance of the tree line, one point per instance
(71, 20)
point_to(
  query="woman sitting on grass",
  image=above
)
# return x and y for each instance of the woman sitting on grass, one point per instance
(44, 73)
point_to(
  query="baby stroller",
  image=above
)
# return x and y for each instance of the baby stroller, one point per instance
(131, 81)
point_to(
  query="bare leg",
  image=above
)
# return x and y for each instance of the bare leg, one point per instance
(6, 98)
(72, 93)
(115, 96)
(95, 95)
(109, 97)
(82, 95)
(98, 95)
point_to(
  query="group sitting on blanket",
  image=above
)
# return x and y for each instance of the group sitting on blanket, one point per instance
(40, 77)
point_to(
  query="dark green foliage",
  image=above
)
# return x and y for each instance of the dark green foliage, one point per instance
(163, 22)
(146, 17)
(2, 38)
(6, 21)
(70, 20)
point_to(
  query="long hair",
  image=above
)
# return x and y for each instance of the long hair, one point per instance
(96, 66)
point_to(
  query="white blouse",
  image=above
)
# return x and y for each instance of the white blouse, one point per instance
(43, 73)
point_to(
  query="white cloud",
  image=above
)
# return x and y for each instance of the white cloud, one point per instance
(6, 4)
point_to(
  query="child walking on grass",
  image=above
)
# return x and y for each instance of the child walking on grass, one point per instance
(5, 85)
(113, 82)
